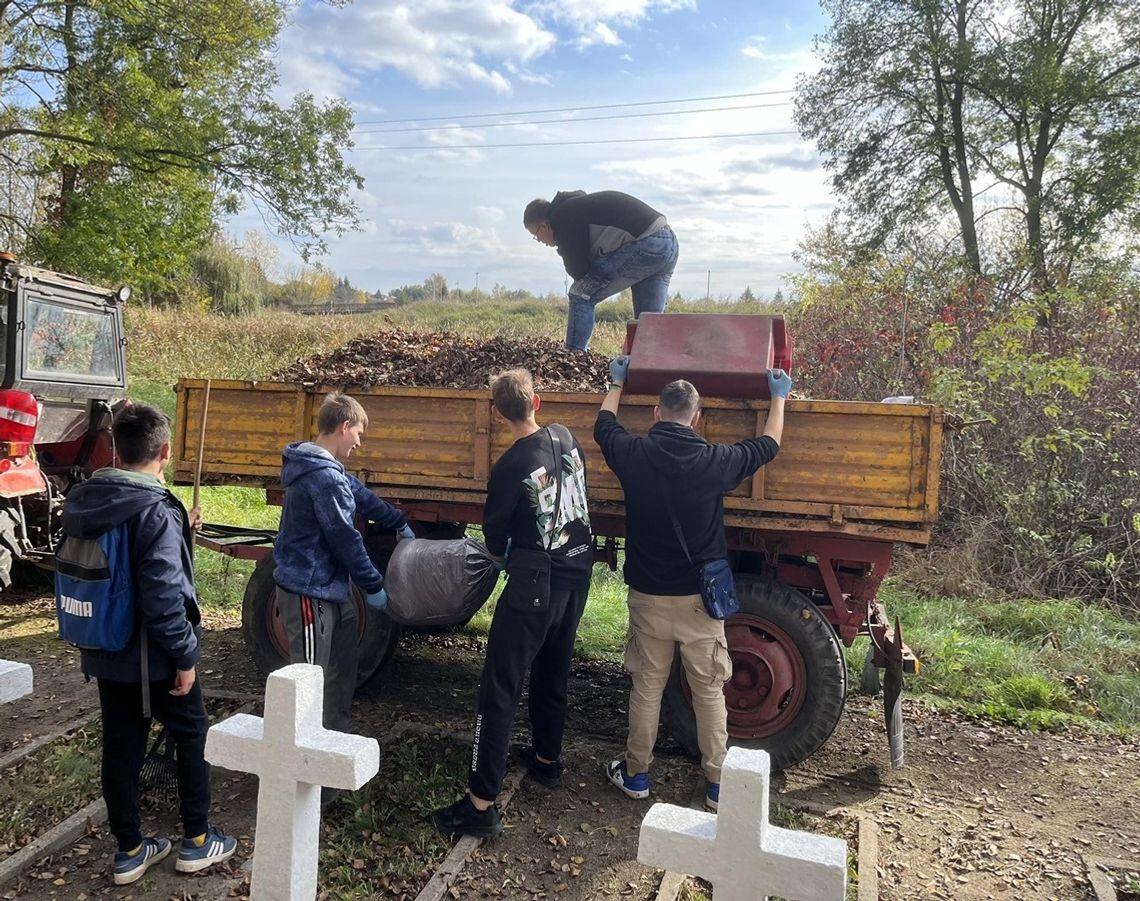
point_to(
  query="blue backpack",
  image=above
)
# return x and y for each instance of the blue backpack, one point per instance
(94, 593)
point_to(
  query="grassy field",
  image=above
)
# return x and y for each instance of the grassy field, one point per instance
(1040, 664)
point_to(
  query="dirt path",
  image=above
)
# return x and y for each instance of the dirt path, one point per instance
(980, 811)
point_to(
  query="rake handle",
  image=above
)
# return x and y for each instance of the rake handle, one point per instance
(201, 445)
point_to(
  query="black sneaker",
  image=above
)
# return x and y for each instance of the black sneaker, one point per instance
(461, 818)
(548, 774)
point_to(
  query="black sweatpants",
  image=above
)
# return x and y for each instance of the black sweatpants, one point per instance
(125, 733)
(324, 633)
(522, 638)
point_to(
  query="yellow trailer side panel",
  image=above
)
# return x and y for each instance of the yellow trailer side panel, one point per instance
(861, 468)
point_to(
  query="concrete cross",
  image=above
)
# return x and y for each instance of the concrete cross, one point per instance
(292, 755)
(15, 680)
(737, 849)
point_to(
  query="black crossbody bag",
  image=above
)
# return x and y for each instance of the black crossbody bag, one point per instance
(528, 570)
(718, 587)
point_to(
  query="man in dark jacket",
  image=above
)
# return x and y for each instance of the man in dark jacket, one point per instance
(536, 509)
(169, 635)
(318, 550)
(608, 241)
(672, 474)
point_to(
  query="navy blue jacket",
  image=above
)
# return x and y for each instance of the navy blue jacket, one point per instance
(159, 533)
(674, 466)
(319, 548)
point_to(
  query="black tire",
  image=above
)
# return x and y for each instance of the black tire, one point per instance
(264, 636)
(777, 628)
(869, 682)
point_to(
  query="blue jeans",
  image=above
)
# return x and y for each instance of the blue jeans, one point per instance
(644, 265)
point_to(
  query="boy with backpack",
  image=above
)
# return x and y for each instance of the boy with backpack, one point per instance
(125, 595)
(318, 550)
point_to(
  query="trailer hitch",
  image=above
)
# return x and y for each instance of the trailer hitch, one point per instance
(236, 541)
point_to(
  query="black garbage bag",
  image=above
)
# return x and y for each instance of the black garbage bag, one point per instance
(438, 583)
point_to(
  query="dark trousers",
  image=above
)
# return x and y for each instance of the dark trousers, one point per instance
(541, 641)
(324, 633)
(125, 733)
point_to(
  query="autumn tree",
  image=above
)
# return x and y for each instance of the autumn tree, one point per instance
(924, 108)
(146, 122)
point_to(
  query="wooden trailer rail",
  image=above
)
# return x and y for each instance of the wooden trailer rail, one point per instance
(867, 470)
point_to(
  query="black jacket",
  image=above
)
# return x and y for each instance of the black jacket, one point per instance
(587, 226)
(520, 507)
(159, 533)
(674, 465)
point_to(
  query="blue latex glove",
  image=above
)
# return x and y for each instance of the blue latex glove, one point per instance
(377, 600)
(779, 383)
(619, 369)
(406, 532)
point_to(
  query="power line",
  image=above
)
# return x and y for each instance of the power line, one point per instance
(572, 109)
(672, 112)
(750, 134)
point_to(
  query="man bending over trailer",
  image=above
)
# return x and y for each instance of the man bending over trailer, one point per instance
(674, 484)
(608, 241)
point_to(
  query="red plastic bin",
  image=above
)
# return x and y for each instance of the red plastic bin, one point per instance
(722, 354)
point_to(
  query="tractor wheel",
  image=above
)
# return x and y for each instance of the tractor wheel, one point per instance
(264, 633)
(789, 681)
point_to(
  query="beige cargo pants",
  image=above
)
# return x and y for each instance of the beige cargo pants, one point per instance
(656, 624)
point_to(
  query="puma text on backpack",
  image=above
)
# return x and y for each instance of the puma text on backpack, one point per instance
(94, 595)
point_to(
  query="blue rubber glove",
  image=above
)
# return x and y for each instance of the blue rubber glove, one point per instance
(377, 600)
(779, 383)
(619, 369)
(406, 531)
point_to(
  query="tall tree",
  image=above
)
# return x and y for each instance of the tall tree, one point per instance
(920, 101)
(149, 120)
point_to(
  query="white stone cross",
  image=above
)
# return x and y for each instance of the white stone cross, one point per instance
(15, 680)
(292, 755)
(737, 849)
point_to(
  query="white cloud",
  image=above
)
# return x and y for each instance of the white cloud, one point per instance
(585, 16)
(301, 71)
(600, 33)
(432, 42)
(754, 48)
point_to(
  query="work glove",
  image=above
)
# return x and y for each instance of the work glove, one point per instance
(405, 531)
(779, 383)
(377, 600)
(619, 369)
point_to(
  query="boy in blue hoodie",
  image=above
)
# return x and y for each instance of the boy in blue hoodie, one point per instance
(159, 533)
(318, 550)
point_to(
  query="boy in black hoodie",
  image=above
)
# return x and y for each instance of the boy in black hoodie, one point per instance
(159, 534)
(535, 510)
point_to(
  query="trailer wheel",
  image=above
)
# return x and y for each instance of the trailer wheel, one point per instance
(264, 632)
(789, 681)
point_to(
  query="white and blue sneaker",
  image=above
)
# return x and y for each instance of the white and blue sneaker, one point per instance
(216, 847)
(131, 867)
(712, 796)
(635, 786)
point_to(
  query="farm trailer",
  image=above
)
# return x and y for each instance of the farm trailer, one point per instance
(810, 535)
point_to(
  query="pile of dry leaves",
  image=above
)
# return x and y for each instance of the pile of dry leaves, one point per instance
(448, 360)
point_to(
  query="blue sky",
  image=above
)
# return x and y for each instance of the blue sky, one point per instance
(451, 204)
